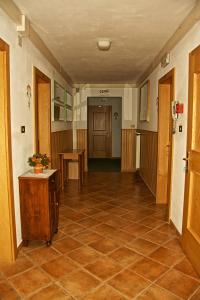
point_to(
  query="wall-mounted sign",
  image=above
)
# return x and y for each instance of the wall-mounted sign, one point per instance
(104, 91)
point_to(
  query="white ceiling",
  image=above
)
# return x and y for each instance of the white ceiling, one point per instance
(138, 30)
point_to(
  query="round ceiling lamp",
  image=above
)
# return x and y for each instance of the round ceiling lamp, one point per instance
(104, 44)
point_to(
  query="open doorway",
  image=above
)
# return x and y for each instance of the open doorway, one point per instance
(104, 134)
(42, 113)
(165, 141)
(8, 247)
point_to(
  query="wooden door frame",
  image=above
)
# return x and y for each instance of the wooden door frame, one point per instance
(8, 243)
(37, 74)
(186, 240)
(169, 76)
(110, 121)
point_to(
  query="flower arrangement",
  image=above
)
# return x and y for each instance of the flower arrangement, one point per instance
(38, 161)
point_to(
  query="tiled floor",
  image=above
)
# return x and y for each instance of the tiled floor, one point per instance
(113, 244)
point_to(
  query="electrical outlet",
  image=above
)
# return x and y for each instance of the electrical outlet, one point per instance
(180, 129)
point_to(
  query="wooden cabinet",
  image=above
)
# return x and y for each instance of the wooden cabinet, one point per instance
(39, 205)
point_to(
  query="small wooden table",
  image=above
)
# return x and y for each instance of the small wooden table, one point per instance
(72, 154)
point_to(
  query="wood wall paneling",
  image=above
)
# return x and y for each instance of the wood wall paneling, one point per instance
(60, 140)
(128, 150)
(148, 158)
(82, 143)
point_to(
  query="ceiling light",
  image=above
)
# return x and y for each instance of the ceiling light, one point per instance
(104, 44)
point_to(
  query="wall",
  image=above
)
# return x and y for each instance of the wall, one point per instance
(116, 104)
(179, 59)
(129, 97)
(22, 60)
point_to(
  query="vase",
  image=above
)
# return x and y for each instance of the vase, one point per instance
(38, 169)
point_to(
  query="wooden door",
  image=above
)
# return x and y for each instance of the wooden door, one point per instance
(42, 113)
(191, 219)
(164, 161)
(100, 139)
(8, 247)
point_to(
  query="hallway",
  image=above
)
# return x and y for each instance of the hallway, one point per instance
(110, 233)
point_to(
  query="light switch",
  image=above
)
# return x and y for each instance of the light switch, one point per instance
(23, 129)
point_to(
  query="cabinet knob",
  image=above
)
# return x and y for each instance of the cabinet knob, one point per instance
(56, 203)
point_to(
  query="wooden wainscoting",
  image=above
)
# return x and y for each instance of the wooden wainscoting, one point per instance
(128, 150)
(148, 158)
(60, 140)
(82, 135)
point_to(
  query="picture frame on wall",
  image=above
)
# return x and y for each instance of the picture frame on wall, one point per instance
(144, 113)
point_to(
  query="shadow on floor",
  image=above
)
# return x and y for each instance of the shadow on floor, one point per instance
(104, 164)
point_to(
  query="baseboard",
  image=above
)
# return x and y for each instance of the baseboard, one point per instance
(174, 227)
(19, 247)
(146, 184)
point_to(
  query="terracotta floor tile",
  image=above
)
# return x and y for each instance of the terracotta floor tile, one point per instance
(118, 211)
(166, 256)
(175, 245)
(105, 229)
(167, 229)
(66, 245)
(104, 293)
(84, 255)
(122, 237)
(58, 236)
(148, 269)
(42, 255)
(88, 236)
(59, 267)
(104, 245)
(29, 281)
(104, 268)
(156, 237)
(125, 256)
(72, 229)
(7, 292)
(136, 229)
(142, 246)
(186, 267)
(33, 245)
(196, 295)
(52, 292)
(152, 222)
(178, 283)
(89, 222)
(157, 293)
(90, 211)
(20, 265)
(79, 283)
(129, 283)
(118, 222)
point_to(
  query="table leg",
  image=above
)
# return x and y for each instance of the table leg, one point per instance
(83, 165)
(61, 172)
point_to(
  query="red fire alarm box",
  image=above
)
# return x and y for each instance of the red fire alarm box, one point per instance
(179, 108)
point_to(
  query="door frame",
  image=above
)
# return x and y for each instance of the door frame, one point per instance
(110, 131)
(37, 74)
(187, 241)
(8, 242)
(169, 76)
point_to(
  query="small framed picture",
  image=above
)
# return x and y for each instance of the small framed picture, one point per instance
(145, 102)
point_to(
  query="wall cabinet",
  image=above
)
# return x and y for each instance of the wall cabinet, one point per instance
(39, 205)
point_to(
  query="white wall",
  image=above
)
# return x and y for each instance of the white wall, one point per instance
(22, 61)
(179, 59)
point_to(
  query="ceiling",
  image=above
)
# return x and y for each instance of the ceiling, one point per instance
(138, 30)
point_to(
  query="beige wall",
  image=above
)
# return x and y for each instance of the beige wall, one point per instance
(129, 105)
(22, 61)
(179, 59)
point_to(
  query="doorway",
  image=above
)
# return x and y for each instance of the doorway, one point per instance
(165, 141)
(104, 134)
(8, 244)
(191, 215)
(42, 113)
